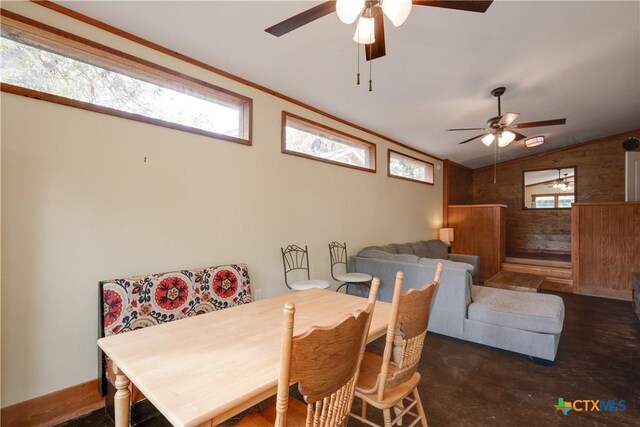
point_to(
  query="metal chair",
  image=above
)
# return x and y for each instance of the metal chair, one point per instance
(338, 255)
(296, 258)
(385, 382)
(309, 359)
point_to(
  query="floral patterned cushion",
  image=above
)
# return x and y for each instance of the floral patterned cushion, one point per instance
(138, 302)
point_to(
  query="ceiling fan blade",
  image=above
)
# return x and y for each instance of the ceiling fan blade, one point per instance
(540, 123)
(471, 139)
(377, 48)
(302, 18)
(507, 119)
(480, 6)
(519, 136)
(466, 129)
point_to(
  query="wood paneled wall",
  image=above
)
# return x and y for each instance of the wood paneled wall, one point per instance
(458, 186)
(479, 230)
(606, 247)
(600, 172)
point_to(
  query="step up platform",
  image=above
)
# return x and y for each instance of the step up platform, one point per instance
(557, 274)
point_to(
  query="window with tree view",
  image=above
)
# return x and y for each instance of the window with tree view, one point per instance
(117, 88)
(305, 138)
(407, 167)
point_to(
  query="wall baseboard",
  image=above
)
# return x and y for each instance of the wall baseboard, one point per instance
(54, 408)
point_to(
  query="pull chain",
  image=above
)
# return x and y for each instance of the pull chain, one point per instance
(358, 48)
(495, 161)
(370, 59)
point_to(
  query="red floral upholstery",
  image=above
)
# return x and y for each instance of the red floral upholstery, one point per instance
(138, 302)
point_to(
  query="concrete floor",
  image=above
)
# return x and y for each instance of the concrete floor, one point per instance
(467, 384)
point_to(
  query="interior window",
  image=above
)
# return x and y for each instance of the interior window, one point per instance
(550, 188)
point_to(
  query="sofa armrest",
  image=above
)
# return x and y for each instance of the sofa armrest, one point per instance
(474, 260)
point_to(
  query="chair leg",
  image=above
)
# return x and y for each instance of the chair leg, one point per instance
(423, 418)
(340, 287)
(397, 410)
(364, 409)
(386, 413)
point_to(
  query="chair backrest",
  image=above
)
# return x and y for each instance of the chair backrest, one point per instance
(338, 255)
(406, 332)
(325, 362)
(295, 258)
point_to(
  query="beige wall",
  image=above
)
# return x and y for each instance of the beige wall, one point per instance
(79, 204)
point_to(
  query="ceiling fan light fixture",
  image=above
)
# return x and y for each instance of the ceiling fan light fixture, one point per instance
(397, 10)
(506, 138)
(349, 10)
(534, 141)
(488, 139)
(365, 31)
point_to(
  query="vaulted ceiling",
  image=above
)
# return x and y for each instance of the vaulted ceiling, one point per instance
(579, 60)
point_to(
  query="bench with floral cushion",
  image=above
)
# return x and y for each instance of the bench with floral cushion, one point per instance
(139, 302)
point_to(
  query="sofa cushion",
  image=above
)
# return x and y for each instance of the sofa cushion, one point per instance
(421, 249)
(445, 263)
(404, 248)
(437, 249)
(373, 253)
(518, 310)
(387, 248)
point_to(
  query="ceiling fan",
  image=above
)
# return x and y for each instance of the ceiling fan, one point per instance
(501, 128)
(565, 184)
(370, 30)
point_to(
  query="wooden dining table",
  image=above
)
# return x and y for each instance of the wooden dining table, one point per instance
(205, 369)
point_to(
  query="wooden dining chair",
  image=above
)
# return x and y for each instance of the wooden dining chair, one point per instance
(309, 359)
(385, 382)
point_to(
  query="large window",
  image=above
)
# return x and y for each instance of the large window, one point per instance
(47, 65)
(302, 137)
(406, 167)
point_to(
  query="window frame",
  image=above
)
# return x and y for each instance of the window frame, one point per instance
(28, 31)
(556, 200)
(429, 164)
(523, 188)
(324, 129)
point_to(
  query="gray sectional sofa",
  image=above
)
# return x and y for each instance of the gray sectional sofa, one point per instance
(527, 323)
(433, 249)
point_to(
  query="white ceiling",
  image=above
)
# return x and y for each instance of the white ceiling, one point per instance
(579, 60)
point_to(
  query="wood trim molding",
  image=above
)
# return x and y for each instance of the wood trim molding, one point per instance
(446, 164)
(331, 131)
(575, 248)
(54, 408)
(73, 46)
(478, 206)
(433, 168)
(458, 165)
(604, 203)
(126, 35)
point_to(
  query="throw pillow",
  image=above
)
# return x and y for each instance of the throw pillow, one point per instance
(404, 249)
(438, 249)
(421, 249)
